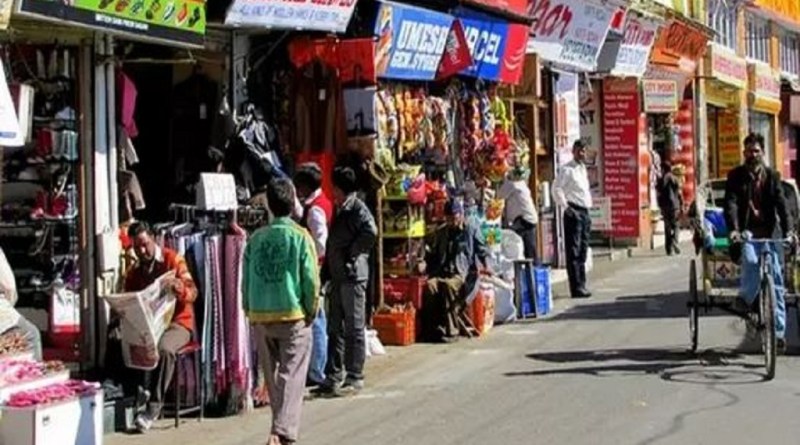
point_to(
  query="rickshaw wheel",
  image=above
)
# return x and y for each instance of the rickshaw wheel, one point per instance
(694, 305)
(767, 315)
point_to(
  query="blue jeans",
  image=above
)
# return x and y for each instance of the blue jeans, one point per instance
(750, 280)
(319, 350)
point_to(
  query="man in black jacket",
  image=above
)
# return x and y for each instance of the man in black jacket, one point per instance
(350, 240)
(755, 203)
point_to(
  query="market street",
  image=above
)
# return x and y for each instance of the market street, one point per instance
(610, 370)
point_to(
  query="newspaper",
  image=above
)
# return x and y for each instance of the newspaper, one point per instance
(144, 316)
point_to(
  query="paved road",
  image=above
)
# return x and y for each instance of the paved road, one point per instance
(610, 370)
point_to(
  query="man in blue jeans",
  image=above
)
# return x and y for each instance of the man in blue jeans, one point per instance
(755, 204)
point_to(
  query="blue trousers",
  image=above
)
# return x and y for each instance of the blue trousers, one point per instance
(750, 283)
(319, 349)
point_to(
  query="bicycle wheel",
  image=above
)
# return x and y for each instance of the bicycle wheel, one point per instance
(694, 305)
(767, 319)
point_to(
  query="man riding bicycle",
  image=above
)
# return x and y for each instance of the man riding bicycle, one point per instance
(755, 203)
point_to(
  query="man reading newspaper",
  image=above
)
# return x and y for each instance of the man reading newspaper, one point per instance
(168, 271)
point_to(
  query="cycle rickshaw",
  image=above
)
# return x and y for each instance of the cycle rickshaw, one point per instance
(714, 277)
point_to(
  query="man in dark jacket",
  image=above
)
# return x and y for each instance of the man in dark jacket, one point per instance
(671, 202)
(350, 241)
(755, 205)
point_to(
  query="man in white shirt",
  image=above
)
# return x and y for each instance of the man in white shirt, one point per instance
(572, 194)
(520, 211)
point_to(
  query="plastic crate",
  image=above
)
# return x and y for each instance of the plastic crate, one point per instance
(524, 289)
(402, 290)
(544, 291)
(396, 328)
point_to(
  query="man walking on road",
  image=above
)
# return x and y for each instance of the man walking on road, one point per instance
(755, 203)
(350, 241)
(281, 289)
(572, 194)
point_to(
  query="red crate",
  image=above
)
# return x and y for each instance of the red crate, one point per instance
(396, 328)
(402, 290)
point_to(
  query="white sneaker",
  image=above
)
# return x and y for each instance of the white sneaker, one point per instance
(143, 423)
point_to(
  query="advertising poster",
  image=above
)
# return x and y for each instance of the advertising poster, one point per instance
(660, 96)
(621, 155)
(306, 15)
(634, 51)
(730, 151)
(590, 115)
(496, 46)
(181, 22)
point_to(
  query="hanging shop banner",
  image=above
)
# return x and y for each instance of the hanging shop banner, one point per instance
(637, 42)
(660, 96)
(176, 22)
(457, 55)
(590, 134)
(306, 15)
(567, 115)
(497, 47)
(726, 67)
(621, 156)
(729, 148)
(10, 132)
(570, 32)
(518, 7)
(411, 41)
(765, 87)
(679, 45)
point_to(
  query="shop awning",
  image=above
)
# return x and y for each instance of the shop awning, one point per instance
(296, 15)
(173, 23)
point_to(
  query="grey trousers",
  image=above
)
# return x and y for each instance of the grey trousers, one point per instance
(173, 340)
(346, 338)
(288, 355)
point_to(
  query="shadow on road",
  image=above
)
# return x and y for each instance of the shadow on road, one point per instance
(666, 305)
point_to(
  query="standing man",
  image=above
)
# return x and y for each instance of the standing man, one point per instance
(154, 261)
(317, 216)
(755, 203)
(572, 194)
(281, 290)
(670, 200)
(351, 240)
(520, 211)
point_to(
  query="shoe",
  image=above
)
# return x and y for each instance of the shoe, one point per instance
(677, 250)
(182, 15)
(350, 388)
(325, 391)
(196, 16)
(781, 346)
(583, 293)
(143, 423)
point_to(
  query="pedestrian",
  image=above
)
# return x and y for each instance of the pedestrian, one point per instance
(520, 212)
(670, 199)
(351, 239)
(572, 194)
(153, 261)
(281, 290)
(755, 203)
(317, 216)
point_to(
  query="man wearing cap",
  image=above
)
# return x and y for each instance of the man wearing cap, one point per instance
(572, 194)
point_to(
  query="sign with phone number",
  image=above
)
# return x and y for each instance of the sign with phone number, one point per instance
(312, 15)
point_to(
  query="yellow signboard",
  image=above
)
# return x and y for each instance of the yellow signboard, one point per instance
(730, 151)
(788, 9)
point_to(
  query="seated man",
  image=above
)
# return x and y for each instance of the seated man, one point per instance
(154, 261)
(457, 255)
(755, 203)
(10, 319)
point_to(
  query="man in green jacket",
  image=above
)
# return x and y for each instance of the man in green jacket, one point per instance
(281, 289)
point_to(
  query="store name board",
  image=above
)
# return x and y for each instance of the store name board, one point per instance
(660, 96)
(764, 82)
(570, 32)
(411, 41)
(789, 9)
(518, 7)
(634, 52)
(726, 67)
(178, 22)
(679, 45)
(497, 47)
(311, 15)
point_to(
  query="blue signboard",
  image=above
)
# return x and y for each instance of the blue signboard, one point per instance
(486, 37)
(411, 41)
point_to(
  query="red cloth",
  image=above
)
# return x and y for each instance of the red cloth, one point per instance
(326, 161)
(139, 277)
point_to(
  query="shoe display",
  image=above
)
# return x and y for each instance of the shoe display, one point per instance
(153, 10)
(196, 16)
(169, 11)
(182, 16)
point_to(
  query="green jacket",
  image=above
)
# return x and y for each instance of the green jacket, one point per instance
(280, 274)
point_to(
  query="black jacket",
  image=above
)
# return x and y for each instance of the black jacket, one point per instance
(738, 193)
(351, 238)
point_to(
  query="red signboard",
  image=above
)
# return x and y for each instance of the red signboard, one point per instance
(456, 53)
(621, 154)
(514, 55)
(519, 7)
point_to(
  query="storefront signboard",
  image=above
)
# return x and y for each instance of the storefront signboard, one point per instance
(637, 42)
(590, 114)
(570, 32)
(176, 22)
(411, 41)
(496, 46)
(660, 96)
(764, 84)
(679, 45)
(726, 67)
(305, 15)
(730, 150)
(518, 7)
(621, 154)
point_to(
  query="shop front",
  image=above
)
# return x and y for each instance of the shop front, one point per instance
(764, 107)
